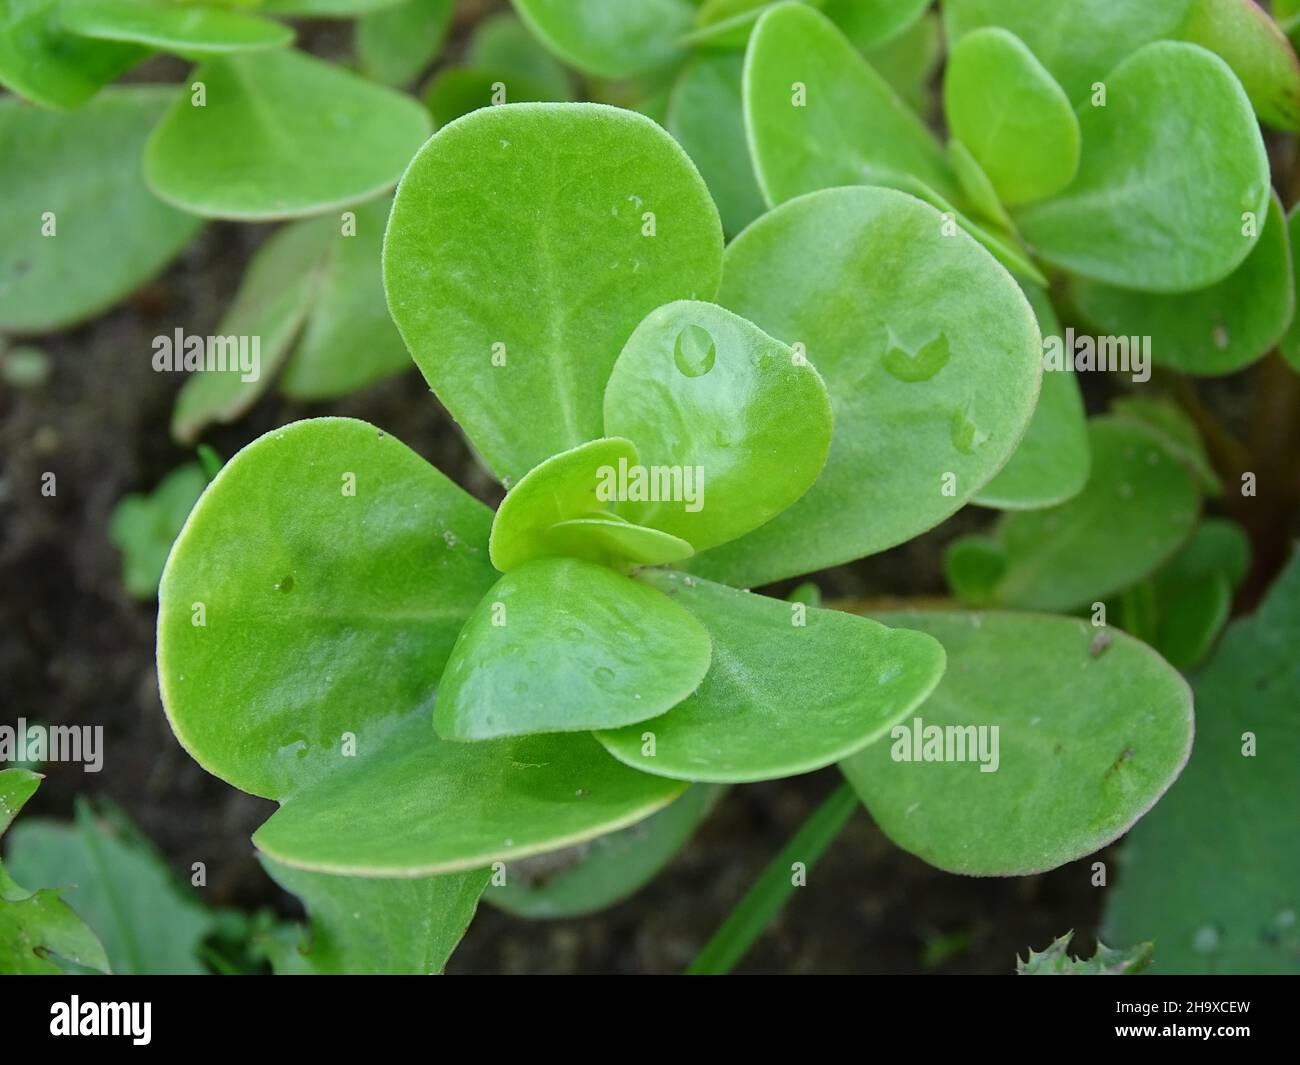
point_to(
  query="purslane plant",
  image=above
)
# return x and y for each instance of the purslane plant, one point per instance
(427, 688)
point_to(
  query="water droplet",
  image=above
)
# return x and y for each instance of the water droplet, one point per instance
(449, 538)
(604, 676)
(966, 438)
(284, 584)
(1206, 940)
(928, 361)
(694, 352)
(1220, 337)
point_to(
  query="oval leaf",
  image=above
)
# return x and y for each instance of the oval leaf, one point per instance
(1085, 744)
(579, 219)
(737, 416)
(336, 567)
(281, 134)
(609, 40)
(1124, 219)
(1215, 330)
(565, 645)
(184, 29)
(791, 688)
(80, 173)
(929, 351)
(1009, 111)
(819, 116)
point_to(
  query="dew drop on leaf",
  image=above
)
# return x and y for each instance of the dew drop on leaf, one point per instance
(284, 584)
(695, 351)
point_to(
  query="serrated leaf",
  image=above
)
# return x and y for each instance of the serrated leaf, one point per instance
(1053, 461)
(281, 134)
(143, 527)
(275, 294)
(1055, 961)
(123, 889)
(607, 869)
(700, 390)
(337, 567)
(189, 30)
(1088, 740)
(818, 116)
(83, 168)
(609, 40)
(1139, 505)
(1215, 330)
(1123, 219)
(854, 274)
(1004, 106)
(524, 372)
(1213, 875)
(371, 926)
(395, 43)
(566, 645)
(49, 66)
(706, 116)
(850, 679)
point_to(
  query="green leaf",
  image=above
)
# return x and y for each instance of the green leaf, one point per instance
(337, 567)
(978, 188)
(772, 890)
(1213, 875)
(143, 527)
(1124, 218)
(503, 43)
(705, 114)
(1090, 735)
(183, 29)
(871, 23)
(865, 279)
(908, 61)
(80, 174)
(280, 135)
(1081, 41)
(1008, 110)
(1192, 593)
(974, 566)
(419, 805)
(1215, 330)
(349, 341)
(566, 645)
(395, 44)
(326, 8)
(1289, 346)
(1055, 961)
(606, 870)
(257, 330)
(819, 116)
(609, 40)
(547, 207)
(1257, 50)
(1139, 505)
(847, 678)
(51, 67)
(369, 926)
(697, 388)
(121, 886)
(37, 924)
(1053, 460)
(457, 91)
(1176, 431)
(558, 509)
